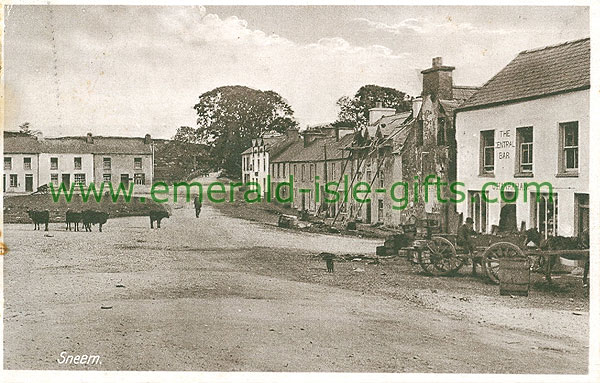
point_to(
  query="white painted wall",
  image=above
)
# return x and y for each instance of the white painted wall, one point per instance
(19, 170)
(544, 115)
(66, 165)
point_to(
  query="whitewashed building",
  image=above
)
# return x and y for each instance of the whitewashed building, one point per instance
(529, 123)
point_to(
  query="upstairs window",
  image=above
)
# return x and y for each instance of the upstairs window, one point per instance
(7, 163)
(569, 138)
(137, 163)
(27, 163)
(107, 163)
(77, 163)
(487, 152)
(54, 163)
(525, 150)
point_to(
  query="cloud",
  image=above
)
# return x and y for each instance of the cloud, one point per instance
(142, 68)
(424, 26)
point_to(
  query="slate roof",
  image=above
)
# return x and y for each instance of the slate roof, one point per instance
(315, 151)
(463, 93)
(16, 142)
(274, 144)
(537, 73)
(388, 124)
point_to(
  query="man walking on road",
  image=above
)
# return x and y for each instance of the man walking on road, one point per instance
(464, 238)
(197, 205)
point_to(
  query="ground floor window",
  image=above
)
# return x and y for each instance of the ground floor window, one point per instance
(14, 181)
(79, 178)
(380, 210)
(545, 213)
(478, 208)
(582, 213)
(106, 177)
(139, 178)
(54, 179)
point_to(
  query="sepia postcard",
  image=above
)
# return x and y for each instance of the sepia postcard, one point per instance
(269, 192)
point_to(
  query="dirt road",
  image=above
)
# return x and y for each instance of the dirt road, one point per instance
(210, 294)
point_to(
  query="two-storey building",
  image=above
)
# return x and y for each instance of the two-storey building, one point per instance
(529, 124)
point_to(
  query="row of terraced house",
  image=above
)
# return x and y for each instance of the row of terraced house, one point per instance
(529, 123)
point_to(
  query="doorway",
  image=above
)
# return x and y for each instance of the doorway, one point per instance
(28, 182)
(66, 180)
(368, 212)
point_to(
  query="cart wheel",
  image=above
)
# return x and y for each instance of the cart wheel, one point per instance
(493, 253)
(438, 257)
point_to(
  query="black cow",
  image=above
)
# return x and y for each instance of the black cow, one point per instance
(92, 217)
(39, 217)
(73, 217)
(157, 215)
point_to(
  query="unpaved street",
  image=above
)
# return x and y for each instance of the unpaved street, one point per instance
(210, 294)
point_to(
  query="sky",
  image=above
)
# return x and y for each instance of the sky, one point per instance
(132, 70)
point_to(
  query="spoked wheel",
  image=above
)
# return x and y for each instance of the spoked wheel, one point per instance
(438, 257)
(492, 255)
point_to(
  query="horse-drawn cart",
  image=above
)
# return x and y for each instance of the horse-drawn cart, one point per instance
(438, 254)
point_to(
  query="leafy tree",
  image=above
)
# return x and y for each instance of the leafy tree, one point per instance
(26, 128)
(230, 116)
(354, 111)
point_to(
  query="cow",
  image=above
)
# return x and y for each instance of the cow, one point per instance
(92, 217)
(73, 217)
(39, 217)
(157, 215)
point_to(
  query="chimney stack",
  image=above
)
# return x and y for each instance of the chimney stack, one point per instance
(89, 139)
(147, 139)
(378, 111)
(416, 105)
(437, 80)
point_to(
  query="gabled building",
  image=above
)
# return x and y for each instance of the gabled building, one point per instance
(529, 123)
(30, 162)
(256, 159)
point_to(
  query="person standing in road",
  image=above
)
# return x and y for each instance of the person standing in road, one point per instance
(197, 205)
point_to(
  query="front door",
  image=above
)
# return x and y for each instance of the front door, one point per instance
(125, 180)
(29, 182)
(66, 180)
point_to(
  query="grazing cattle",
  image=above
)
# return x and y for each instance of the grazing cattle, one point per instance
(73, 217)
(197, 205)
(92, 217)
(157, 215)
(39, 217)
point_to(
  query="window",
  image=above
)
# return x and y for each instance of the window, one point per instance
(7, 163)
(139, 178)
(295, 171)
(487, 152)
(333, 172)
(54, 163)
(27, 163)
(265, 165)
(258, 164)
(545, 213)
(380, 210)
(106, 177)
(14, 181)
(278, 170)
(569, 132)
(107, 163)
(441, 131)
(77, 163)
(381, 180)
(54, 178)
(283, 170)
(303, 171)
(525, 150)
(310, 172)
(137, 163)
(79, 178)
(478, 211)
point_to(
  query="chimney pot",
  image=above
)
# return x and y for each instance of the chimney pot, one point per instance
(147, 139)
(89, 139)
(436, 62)
(378, 104)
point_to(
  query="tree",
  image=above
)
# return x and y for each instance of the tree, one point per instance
(26, 129)
(230, 116)
(354, 111)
